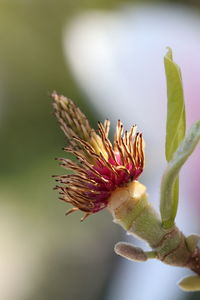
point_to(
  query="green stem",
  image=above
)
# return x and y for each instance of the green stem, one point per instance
(132, 210)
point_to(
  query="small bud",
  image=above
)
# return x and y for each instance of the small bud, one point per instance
(130, 252)
(190, 284)
(192, 241)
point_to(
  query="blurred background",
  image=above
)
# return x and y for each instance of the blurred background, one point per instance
(108, 57)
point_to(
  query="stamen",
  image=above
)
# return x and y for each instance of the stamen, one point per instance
(71, 211)
(85, 216)
(100, 167)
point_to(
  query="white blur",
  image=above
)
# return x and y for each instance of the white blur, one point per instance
(117, 59)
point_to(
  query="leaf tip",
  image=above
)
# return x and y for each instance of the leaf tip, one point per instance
(169, 54)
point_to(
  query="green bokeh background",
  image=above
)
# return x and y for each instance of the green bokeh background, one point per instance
(65, 259)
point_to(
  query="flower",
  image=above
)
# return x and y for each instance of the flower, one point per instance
(100, 167)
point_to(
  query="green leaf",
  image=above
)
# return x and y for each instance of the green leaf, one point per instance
(175, 127)
(167, 207)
